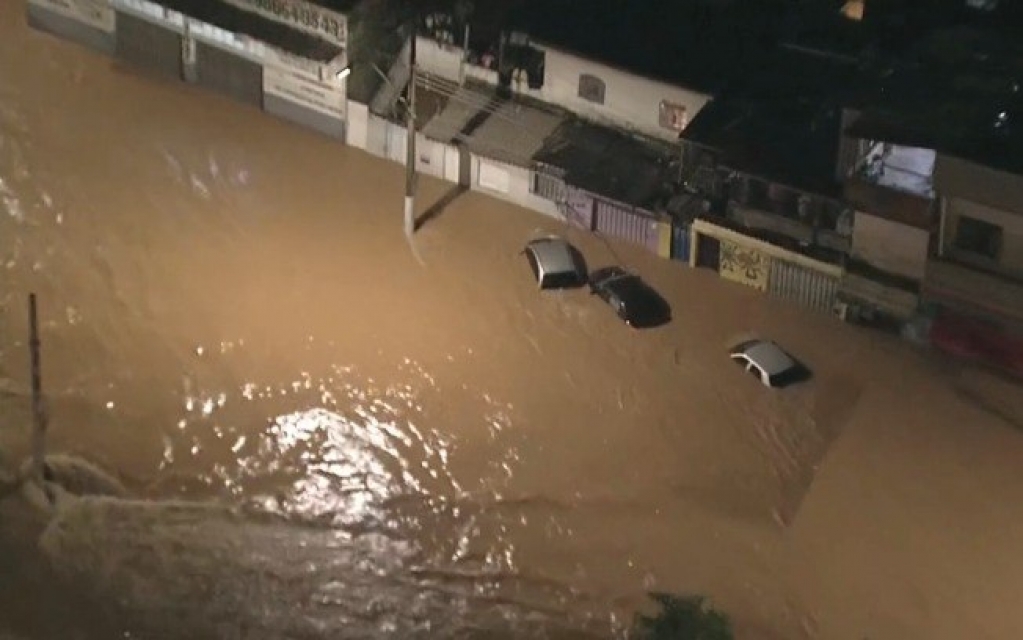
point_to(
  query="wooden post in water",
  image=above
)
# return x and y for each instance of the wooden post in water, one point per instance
(39, 418)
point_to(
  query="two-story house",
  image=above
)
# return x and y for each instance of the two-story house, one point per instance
(763, 160)
(977, 263)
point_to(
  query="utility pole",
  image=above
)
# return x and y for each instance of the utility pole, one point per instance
(410, 129)
(39, 418)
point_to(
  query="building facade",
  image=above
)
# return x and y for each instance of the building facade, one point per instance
(284, 57)
(977, 262)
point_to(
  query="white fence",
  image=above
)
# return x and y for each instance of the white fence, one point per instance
(386, 139)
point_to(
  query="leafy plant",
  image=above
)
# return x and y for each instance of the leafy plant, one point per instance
(682, 618)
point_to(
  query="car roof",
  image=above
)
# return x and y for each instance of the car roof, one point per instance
(767, 355)
(553, 255)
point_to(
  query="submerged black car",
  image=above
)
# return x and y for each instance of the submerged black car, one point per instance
(633, 300)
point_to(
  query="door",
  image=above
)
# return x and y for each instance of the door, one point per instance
(229, 74)
(147, 45)
(708, 251)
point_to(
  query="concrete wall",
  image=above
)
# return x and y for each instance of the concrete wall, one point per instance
(1011, 256)
(436, 159)
(301, 97)
(630, 101)
(87, 22)
(438, 59)
(510, 183)
(358, 124)
(385, 139)
(481, 73)
(890, 246)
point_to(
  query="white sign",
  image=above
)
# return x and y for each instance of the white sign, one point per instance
(94, 13)
(297, 88)
(327, 24)
(309, 68)
(493, 177)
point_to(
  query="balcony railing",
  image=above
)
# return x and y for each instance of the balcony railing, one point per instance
(829, 237)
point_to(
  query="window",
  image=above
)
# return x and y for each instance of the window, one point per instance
(978, 237)
(673, 116)
(591, 88)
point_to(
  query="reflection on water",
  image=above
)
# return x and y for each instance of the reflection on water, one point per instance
(340, 450)
(351, 522)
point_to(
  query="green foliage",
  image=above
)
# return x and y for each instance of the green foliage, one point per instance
(682, 618)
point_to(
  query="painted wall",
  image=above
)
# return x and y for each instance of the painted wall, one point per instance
(385, 139)
(300, 96)
(88, 22)
(630, 101)
(438, 59)
(358, 124)
(510, 183)
(1011, 257)
(436, 159)
(890, 246)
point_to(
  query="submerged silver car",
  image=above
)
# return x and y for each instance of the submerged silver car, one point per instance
(768, 363)
(556, 264)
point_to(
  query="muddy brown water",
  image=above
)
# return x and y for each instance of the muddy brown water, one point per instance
(327, 437)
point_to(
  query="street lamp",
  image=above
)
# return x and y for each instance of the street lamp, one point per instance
(343, 73)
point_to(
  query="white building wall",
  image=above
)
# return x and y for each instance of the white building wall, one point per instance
(891, 246)
(630, 100)
(358, 124)
(1011, 255)
(442, 60)
(510, 183)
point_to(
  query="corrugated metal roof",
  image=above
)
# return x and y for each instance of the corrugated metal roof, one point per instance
(511, 131)
(611, 163)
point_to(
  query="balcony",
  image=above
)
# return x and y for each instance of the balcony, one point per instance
(807, 220)
(892, 204)
(975, 289)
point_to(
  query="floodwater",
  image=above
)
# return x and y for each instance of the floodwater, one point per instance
(327, 436)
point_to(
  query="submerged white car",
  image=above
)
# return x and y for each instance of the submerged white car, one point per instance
(555, 263)
(768, 363)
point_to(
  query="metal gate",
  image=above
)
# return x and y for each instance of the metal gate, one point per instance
(806, 286)
(680, 232)
(229, 74)
(142, 43)
(619, 222)
(579, 208)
